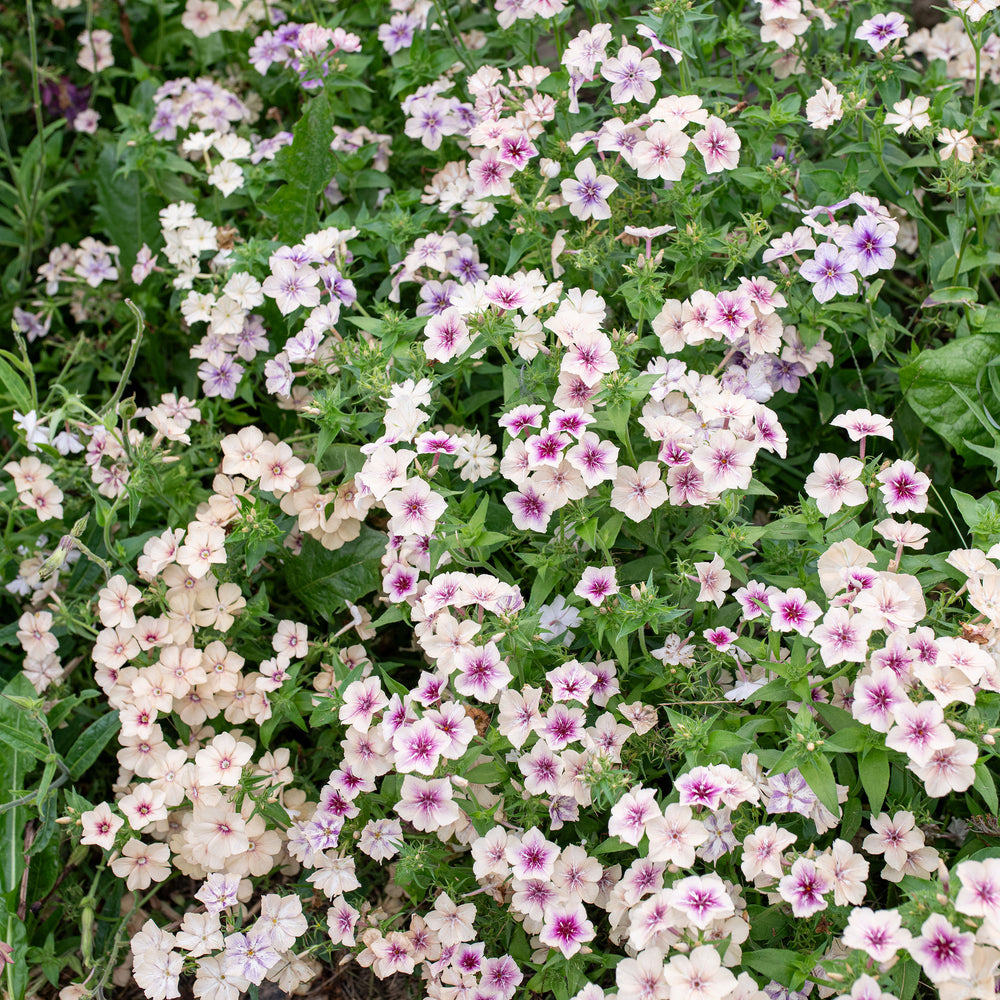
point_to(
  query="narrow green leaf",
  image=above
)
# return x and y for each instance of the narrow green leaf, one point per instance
(90, 743)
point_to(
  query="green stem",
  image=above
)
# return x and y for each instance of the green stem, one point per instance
(140, 326)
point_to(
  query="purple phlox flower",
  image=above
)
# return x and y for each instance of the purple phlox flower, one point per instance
(786, 374)
(882, 29)
(631, 76)
(700, 787)
(220, 379)
(250, 956)
(868, 245)
(587, 195)
(943, 951)
(790, 793)
(829, 271)
(398, 33)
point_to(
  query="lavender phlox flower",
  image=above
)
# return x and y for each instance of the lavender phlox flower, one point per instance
(830, 272)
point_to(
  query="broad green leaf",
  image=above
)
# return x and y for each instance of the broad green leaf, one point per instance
(90, 743)
(325, 581)
(126, 210)
(929, 384)
(819, 776)
(307, 165)
(873, 768)
(777, 963)
(954, 293)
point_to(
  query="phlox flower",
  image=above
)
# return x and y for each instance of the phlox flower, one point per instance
(99, 826)
(638, 492)
(907, 114)
(715, 580)
(949, 769)
(702, 899)
(249, 956)
(794, 612)
(699, 975)
(730, 314)
(725, 461)
(943, 951)
(556, 619)
(957, 143)
(531, 856)
(842, 637)
(789, 793)
(879, 934)
(590, 356)
(414, 509)
(561, 726)
(223, 760)
(542, 769)
(341, 919)
(894, 837)
(762, 851)
(587, 195)
(482, 673)
(660, 152)
(755, 599)
(428, 805)
(597, 584)
(829, 272)
(593, 458)
(804, 887)
(642, 977)
(452, 922)
(903, 488)
(631, 76)
(700, 787)
(200, 934)
(530, 511)
(719, 145)
(571, 682)
(631, 813)
(142, 864)
(881, 30)
(979, 895)
(418, 747)
(281, 920)
(868, 244)
(876, 696)
(361, 701)
(218, 891)
(847, 870)
(291, 285)
(674, 836)
(447, 336)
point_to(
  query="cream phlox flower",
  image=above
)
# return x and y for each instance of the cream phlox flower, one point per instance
(825, 107)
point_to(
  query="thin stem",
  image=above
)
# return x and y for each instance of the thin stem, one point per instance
(133, 353)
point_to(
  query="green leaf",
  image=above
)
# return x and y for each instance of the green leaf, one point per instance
(325, 581)
(873, 769)
(307, 166)
(954, 293)
(126, 211)
(22, 742)
(14, 764)
(929, 384)
(777, 963)
(986, 786)
(15, 386)
(819, 777)
(90, 743)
